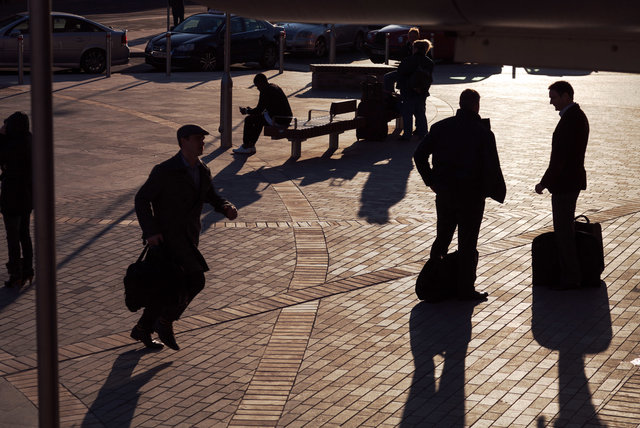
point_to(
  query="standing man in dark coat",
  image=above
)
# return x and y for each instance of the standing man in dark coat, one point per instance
(273, 108)
(565, 177)
(168, 206)
(466, 170)
(414, 88)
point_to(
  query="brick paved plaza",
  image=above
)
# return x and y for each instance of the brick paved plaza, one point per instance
(309, 317)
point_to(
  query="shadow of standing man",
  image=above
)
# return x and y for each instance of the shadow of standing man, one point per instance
(574, 323)
(438, 331)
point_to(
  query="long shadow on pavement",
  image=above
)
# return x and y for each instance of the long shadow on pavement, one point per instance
(440, 334)
(575, 323)
(116, 402)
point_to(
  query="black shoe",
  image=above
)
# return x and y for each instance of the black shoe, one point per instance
(474, 295)
(14, 281)
(164, 329)
(145, 337)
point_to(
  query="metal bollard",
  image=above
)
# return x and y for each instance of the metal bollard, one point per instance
(282, 42)
(332, 44)
(108, 53)
(168, 53)
(20, 59)
(386, 48)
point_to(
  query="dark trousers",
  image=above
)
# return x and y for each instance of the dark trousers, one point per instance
(173, 304)
(464, 212)
(178, 12)
(253, 125)
(414, 104)
(18, 241)
(563, 206)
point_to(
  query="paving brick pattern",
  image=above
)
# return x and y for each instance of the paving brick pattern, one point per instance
(309, 316)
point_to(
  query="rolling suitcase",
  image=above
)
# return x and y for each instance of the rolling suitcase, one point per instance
(544, 255)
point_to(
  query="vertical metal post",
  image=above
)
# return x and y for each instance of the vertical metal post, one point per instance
(20, 59)
(332, 44)
(282, 43)
(44, 212)
(168, 62)
(168, 17)
(433, 46)
(226, 88)
(513, 72)
(108, 54)
(386, 48)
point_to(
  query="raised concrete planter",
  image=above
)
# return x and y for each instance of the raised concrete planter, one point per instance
(345, 76)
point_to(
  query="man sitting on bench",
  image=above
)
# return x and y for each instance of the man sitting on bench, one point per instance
(273, 109)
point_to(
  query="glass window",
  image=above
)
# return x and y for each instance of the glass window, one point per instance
(200, 24)
(254, 25)
(237, 25)
(22, 27)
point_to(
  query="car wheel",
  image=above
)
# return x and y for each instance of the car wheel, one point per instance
(269, 55)
(358, 43)
(320, 48)
(208, 61)
(93, 61)
(376, 59)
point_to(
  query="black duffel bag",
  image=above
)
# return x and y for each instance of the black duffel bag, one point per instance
(155, 278)
(437, 279)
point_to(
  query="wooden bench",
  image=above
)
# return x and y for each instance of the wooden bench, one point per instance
(330, 124)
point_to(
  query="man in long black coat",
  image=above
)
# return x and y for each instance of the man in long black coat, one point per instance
(565, 177)
(168, 206)
(466, 170)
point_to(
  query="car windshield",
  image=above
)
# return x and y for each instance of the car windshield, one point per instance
(7, 21)
(200, 24)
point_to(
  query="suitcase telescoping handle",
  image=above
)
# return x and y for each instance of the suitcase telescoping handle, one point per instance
(584, 217)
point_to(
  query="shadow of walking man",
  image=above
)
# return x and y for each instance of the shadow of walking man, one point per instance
(575, 323)
(440, 335)
(116, 402)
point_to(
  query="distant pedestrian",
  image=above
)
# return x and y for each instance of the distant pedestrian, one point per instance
(391, 77)
(168, 206)
(415, 74)
(465, 170)
(16, 196)
(565, 177)
(273, 108)
(177, 9)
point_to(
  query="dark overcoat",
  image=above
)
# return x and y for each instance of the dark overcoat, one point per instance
(15, 159)
(169, 203)
(464, 156)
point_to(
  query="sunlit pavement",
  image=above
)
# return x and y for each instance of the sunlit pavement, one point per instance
(309, 315)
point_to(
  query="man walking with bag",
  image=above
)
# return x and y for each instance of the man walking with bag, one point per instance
(565, 177)
(465, 171)
(168, 206)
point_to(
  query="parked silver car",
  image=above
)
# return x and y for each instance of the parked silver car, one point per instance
(314, 38)
(77, 42)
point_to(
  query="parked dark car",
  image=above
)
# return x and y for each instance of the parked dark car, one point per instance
(198, 43)
(315, 38)
(77, 42)
(374, 45)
